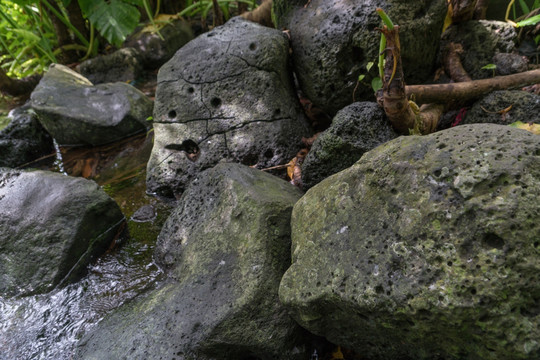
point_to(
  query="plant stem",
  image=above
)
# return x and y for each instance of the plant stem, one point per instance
(66, 22)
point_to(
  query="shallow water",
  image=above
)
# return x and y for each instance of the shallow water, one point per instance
(48, 326)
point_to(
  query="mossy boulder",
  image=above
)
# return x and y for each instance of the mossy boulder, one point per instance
(225, 248)
(427, 248)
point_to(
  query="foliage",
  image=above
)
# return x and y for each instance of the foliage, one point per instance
(26, 38)
(202, 7)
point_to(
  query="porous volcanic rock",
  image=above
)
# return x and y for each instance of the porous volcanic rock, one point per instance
(51, 227)
(225, 96)
(75, 112)
(225, 248)
(122, 65)
(427, 248)
(481, 40)
(355, 130)
(333, 41)
(504, 107)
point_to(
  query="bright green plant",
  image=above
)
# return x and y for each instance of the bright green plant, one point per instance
(26, 39)
(202, 7)
(491, 67)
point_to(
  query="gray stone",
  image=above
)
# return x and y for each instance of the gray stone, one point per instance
(426, 248)
(75, 112)
(333, 40)
(23, 140)
(523, 105)
(355, 130)
(510, 63)
(225, 96)
(51, 227)
(225, 246)
(481, 40)
(122, 65)
(155, 50)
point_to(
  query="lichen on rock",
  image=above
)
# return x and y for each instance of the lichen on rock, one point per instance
(428, 247)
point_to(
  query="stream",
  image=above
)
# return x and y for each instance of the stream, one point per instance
(48, 326)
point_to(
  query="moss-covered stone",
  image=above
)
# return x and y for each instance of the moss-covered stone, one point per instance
(426, 248)
(225, 247)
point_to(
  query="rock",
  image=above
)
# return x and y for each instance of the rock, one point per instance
(426, 248)
(225, 246)
(355, 130)
(51, 227)
(23, 140)
(122, 65)
(333, 41)
(523, 106)
(509, 63)
(153, 49)
(225, 96)
(481, 40)
(75, 112)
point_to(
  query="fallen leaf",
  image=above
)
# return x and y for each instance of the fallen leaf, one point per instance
(531, 127)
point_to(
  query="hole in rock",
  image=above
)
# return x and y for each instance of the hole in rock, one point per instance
(190, 90)
(269, 154)
(215, 102)
(190, 147)
(171, 114)
(493, 241)
(252, 46)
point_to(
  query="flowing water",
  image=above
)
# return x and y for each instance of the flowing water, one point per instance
(48, 326)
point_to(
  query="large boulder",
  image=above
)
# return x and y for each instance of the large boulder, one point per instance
(225, 96)
(225, 247)
(24, 139)
(426, 248)
(75, 112)
(504, 107)
(333, 41)
(51, 227)
(355, 130)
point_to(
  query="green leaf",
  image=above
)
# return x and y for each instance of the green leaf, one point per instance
(114, 20)
(530, 21)
(369, 65)
(537, 39)
(489, 67)
(376, 84)
(28, 36)
(361, 77)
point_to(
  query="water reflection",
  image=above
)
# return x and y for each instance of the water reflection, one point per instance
(48, 326)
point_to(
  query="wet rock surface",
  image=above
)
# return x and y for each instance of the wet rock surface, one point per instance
(225, 96)
(225, 248)
(355, 130)
(504, 107)
(75, 112)
(332, 42)
(51, 227)
(425, 248)
(23, 140)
